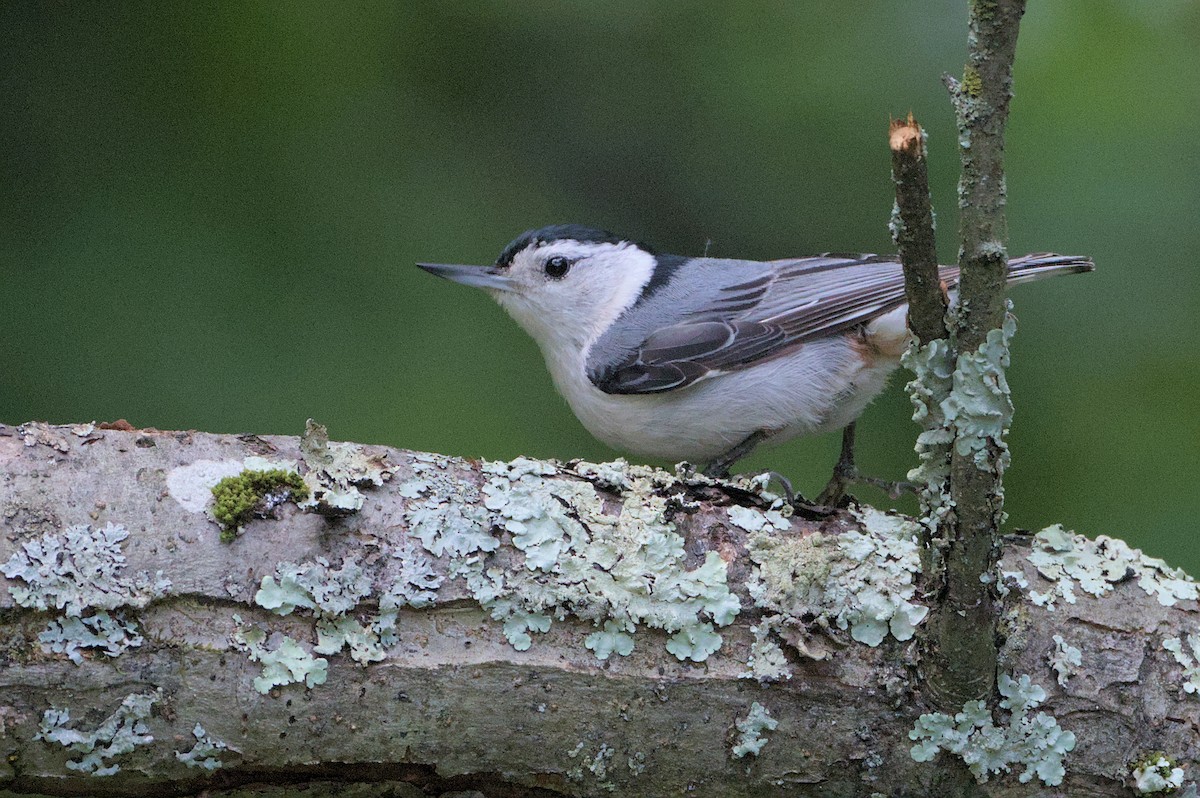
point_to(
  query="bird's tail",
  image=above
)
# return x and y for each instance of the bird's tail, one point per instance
(1046, 264)
(1028, 268)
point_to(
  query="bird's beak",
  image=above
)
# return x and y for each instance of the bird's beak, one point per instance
(475, 276)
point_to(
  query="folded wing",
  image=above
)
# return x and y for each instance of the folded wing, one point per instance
(749, 318)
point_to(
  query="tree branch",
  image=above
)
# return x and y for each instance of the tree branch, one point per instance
(913, 231)
(447, 635)
(964, 657)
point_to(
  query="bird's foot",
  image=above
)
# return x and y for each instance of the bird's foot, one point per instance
(834, 494)
(719, 468)
(846, 473)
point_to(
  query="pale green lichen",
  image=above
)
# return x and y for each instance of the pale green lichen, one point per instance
(314, 585)
(767, 662)
(337, 471)
(111, 635)
(329, 593)
(1035, 742)
(79, 569)
(753, 519)
(334, 634)
(286, 664)
(1064, 659)
(617, 571)
(979, 406)
(932, 366)
(119, 733)
(415, 584)
(750, 739)
(205, 754)
(446, 513)
(79, 573)
(1189, 658)
(862, 581)
(597, 765)
(1070, 561)
(611, 638)
(1157, 774)
(694, 642)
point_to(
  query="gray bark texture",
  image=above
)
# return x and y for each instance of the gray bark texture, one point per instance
(115, 528)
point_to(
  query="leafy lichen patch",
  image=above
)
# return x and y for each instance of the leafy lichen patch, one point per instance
(315, 585)
(767, 662)
(979, 406)
(861, 580)
(1188, 656)
(750, 739)
(1064, 659)
(79, 572)
(1157, 774)
(1070, 561)
(753, 519)
(79, 569)
(118, 734)
(1035, 742)
(619, 570)
(286, 664)
(205, 754)
(110, 634)
(337, 471)
(33, 433)
(329, 593)
(933, 376)
(598, 765)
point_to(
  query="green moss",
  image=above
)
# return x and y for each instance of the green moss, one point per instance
(972, 83)
(238, 499)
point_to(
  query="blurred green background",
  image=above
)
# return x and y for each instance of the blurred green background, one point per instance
(211, 211)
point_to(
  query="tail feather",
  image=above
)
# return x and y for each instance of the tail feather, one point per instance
(1046, 264)
(1028, 268)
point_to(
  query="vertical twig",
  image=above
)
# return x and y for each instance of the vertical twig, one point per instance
(963, 657)
(913, 231)
(931, 359)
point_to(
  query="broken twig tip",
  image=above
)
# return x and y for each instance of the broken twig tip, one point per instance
(905, 136)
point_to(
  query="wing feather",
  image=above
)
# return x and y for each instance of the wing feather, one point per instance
(747, 321)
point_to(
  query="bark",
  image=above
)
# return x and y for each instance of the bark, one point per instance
(964, 626)
(913, 231)
(452, 708)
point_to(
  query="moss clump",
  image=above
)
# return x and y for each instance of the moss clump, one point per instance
(250, 493)
(972, 82)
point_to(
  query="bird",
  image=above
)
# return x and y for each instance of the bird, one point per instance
(701, 359)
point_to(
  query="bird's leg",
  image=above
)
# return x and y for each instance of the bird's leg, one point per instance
(844, 472)
(847, 473)
(719, 468)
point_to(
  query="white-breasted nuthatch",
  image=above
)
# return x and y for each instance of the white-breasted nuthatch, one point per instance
(701, 358)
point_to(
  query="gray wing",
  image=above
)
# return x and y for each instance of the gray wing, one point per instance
(743, 313)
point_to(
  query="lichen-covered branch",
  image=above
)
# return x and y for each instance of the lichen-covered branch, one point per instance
(415, 624)
(979, 407)
(930, 357)
(913, 231)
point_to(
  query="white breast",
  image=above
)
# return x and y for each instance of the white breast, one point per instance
(822, 386)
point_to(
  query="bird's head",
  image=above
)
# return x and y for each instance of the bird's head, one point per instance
(564, 284)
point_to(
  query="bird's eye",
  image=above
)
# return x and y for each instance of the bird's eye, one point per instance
(557, 267)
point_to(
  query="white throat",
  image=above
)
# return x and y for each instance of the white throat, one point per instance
(567, 322)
